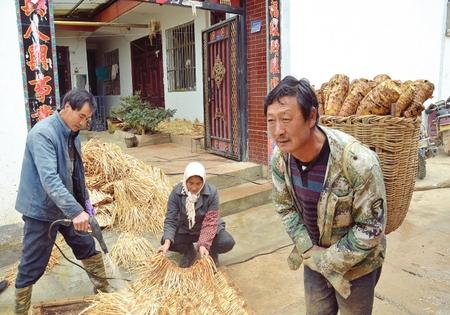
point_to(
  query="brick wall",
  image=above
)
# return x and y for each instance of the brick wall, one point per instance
(256, 82)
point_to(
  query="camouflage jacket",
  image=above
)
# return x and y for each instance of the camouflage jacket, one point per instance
(351, 212)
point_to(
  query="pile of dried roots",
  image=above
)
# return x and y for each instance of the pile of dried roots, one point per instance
(181, 127)
(164, 288)
(131, 251)
(126, 193)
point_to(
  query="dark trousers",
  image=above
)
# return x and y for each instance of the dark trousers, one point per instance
(37, 248)
(222, 243)
(322, 299)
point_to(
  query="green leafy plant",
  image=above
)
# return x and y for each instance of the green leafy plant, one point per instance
(140, 115)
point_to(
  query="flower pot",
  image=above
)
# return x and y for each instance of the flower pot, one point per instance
(131, 142)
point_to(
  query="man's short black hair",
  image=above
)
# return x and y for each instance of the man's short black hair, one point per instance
(300, 89)
(77, 98)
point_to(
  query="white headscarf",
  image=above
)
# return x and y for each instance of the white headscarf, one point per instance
(192, 169)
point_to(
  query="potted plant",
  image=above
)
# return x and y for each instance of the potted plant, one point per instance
(140, 118)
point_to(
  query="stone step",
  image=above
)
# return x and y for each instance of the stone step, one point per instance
(226, 175)
(258, 230)
(244, 196)
(229, 175)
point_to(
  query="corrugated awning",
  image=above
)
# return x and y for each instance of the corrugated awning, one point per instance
(79, 9)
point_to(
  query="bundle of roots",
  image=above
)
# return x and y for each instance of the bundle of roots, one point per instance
(131, 251)
(163, 288)
(181, 127)
(126, 193)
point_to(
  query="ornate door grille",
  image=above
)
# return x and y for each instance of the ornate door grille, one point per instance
(220, 63)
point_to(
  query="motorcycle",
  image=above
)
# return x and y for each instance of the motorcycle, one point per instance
(427, 149)
(438, 124)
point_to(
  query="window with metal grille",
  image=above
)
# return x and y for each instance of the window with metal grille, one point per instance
(112, 76)
(181, 57)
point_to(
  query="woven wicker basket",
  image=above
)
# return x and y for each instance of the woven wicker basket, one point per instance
(395, 140)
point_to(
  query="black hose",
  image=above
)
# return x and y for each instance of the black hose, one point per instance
(258, 255)
(64, 222)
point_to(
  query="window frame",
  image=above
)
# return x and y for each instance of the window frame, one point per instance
(180, 47)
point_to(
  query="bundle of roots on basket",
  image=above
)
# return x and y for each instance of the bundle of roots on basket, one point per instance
(335, 94)
(380, 96)
(139, 191)
(131, 251)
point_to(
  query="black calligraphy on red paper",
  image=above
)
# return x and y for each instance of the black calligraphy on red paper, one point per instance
(274, 62)
(37, 35)
(274, 40)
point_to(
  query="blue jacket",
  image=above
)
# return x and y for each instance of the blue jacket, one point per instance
(47, 190)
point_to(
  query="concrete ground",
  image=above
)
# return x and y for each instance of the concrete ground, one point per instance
(415, 277)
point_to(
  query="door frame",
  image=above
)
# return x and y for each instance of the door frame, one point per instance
(134, 56)
(241, 84)
(66, 68)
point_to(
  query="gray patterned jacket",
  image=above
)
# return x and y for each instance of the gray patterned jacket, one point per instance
(351, 212)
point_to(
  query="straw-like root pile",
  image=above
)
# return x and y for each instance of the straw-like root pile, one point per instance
(165, 289)
(131, 251)
(181, 127)
(139, 191)
(118, 303)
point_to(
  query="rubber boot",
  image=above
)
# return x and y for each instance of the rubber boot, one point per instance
(23, 300)
(95, 265)
(188, 257)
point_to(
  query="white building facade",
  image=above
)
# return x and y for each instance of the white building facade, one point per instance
(404, 39)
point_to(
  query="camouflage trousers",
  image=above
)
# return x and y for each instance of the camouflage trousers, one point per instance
(322, 299)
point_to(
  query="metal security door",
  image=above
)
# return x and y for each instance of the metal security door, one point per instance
(221, 104)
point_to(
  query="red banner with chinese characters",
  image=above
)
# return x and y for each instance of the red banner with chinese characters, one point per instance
(36, 35)
(274, 62)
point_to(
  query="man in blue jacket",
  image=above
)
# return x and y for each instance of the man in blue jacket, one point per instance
(52, 187)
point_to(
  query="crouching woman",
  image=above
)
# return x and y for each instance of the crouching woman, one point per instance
(193, 217)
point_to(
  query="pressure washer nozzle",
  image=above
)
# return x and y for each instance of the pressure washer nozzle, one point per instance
(97, 233)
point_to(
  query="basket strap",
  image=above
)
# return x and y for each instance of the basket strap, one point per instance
(344, 160)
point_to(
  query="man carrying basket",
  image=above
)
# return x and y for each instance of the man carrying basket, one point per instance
(329, 191)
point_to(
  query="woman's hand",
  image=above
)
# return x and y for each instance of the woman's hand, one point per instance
(165, 247)
(203, 251)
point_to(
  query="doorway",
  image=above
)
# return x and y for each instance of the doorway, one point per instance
(147, 69)
(225, 112)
